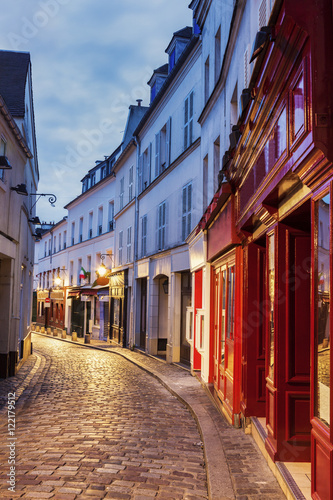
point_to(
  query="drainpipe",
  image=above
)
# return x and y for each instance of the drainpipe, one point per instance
(136, 235)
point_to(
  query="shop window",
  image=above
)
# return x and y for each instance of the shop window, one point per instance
(271, 295)
(223, 315)
(97, 311)
(189, 324)
(298, 108)
(323, 353)
(200, 330)
(231, 303)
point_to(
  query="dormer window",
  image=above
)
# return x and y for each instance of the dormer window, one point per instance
(153, 92)
(157, 80)
(172, 59)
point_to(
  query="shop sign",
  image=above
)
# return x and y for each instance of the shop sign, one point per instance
(41, 294)
(57, 295)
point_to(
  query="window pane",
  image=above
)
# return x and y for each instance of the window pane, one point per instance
(323, 311)
(231, 302)
(298, 105)
(271, 294)
(223, 317)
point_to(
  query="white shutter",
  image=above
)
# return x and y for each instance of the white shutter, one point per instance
(157, 154)
(186, 123)
(189, 209)
(168, 143)
(262, 14)
(246, 69)
(150, 152)
(140, 174)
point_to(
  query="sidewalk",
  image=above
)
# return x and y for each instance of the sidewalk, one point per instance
(235, 467)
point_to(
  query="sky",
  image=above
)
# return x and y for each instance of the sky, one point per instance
(91, 59)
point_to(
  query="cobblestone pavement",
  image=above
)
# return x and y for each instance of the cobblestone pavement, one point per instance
(92, 425)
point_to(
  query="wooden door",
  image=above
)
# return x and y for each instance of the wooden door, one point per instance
(253, 385)
(288, 345)
(223, 333)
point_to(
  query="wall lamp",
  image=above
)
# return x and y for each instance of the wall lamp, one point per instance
(102, 270)
(52, 199)
(4, 163)
(34, 220)
(234, 136)
(20, 189)
(165, 286)
(266, 33)
(244, 101)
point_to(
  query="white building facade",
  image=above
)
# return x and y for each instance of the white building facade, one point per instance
(18, 184)
(170, 199)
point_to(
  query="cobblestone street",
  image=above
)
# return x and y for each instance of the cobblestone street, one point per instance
(91, 424)
(97, 426)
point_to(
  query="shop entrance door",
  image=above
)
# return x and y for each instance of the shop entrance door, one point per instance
(253, 387)
(224, 328)
(186, 294)
(288, 344)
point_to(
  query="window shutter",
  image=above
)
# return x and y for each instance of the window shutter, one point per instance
(186, 124)
(150, 148)
(157, 153)
(159, 223)
(164, 223)
(140, 174)
(191, 106)
(262, 15)
(246, 69)
(168, 142)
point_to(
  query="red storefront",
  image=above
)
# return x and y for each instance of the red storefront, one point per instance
(281, 173)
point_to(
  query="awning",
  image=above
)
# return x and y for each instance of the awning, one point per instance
(88, 292)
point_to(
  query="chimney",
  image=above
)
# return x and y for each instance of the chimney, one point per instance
(139, 101)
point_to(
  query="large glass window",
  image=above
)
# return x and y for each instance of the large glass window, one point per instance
(271, 294)
(223, 314)
(323, 309)
(231, 302)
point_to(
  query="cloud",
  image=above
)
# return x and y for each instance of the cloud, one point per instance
(91, 59)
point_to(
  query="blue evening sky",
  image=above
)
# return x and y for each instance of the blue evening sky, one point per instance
(91, 59)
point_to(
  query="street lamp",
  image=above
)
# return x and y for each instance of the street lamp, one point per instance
(58, 281)
(102, 270)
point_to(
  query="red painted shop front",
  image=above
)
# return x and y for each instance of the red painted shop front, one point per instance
(225, 257)
(281, 173)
